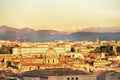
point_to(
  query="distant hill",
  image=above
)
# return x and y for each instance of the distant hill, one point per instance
(8, 33)
(101, 29)
(92, 36)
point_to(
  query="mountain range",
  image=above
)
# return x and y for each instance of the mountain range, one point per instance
(27, 34)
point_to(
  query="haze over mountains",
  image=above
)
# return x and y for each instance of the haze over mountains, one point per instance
(102, 29)
(27, 34)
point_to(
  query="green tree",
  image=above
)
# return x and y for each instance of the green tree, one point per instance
(4, 50)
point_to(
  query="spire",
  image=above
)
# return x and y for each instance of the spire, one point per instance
(97, 39)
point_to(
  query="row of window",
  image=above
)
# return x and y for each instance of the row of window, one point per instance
(52, 61)
(73, 78)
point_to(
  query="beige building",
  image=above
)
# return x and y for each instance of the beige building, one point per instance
(101, 63)
(30, 50)
(49, 60)
(113, 58)
(51, 56)
(67, 77)
(102, 76)
(76, 55)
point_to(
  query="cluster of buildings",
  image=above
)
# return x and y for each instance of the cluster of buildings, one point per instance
(92, 58)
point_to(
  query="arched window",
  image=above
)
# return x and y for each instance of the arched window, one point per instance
(53, 61)
(76, 78)
(72, 78)
(48, 61)
(68, 78)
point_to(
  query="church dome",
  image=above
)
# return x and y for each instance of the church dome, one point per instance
(51, 53)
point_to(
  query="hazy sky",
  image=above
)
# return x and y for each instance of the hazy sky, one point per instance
(60, 14)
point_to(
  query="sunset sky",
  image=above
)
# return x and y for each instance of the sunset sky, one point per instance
(62, 15)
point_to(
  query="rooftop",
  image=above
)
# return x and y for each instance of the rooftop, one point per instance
(54, 72)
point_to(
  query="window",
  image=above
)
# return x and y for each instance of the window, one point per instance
(40, 55)
(38, 67)
(29, 68)
(53, 60)
(118, 78)
(60, 55)
(68, 78)
(72, 78)
(73, 56)
(76, 78)
(48, 61)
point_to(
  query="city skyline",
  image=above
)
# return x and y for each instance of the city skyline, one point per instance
(61, 15)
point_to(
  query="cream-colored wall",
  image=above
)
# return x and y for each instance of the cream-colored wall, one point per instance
(80, 77)
(51, 60)
(112, 76)
(38, 50)
(100, 63)
(31, 78)
(28, 50)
